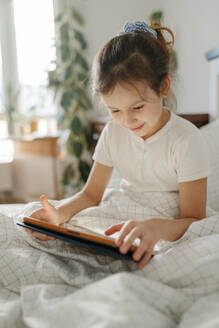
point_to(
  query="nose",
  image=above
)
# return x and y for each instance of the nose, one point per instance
(129, 118)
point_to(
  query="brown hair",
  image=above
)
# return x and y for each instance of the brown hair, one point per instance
(132, 57)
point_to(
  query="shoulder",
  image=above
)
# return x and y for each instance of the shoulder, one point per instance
(188, 151)
(185, 139)
(183, 125)
(182, 130)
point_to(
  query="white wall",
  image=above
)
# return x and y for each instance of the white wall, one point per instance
(195, 24)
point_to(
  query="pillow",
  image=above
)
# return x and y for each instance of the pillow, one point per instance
(210, 134)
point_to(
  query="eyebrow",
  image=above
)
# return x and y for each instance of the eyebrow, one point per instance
(135, 103)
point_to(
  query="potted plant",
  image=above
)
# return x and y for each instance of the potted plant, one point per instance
(70, 81)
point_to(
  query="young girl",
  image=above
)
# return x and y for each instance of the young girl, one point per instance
(152, 148)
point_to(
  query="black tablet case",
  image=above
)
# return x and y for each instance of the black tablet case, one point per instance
(80, 242)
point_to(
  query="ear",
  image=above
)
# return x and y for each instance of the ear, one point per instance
(165, 87)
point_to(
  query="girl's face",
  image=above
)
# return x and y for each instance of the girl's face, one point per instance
(137, 108)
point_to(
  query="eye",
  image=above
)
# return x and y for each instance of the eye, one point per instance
(138, 107)
(114, 111)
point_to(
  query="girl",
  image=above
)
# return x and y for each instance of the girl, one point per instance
(152, 148)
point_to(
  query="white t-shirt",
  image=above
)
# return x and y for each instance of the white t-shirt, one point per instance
(174, 154)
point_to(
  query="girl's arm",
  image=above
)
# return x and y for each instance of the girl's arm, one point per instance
(192, 198)
(192, 206)
(90, 195)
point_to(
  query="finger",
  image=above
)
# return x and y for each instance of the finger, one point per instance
(130, 239)
(28, 230)
(46, 204)
(41, 236)
(128, 226)
(113, 229)
(38, 214)
(143, 247)
(145, 259)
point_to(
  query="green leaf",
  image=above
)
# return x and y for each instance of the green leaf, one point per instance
(68, 72)
(52, 78)
(64, 32)
(173, 61)
(83, 78)
(84, 103)
(84, 169)
(79, 36)
(76, 126)
(66, 100)
(77, 148)
(81, 61)
(77, 17)
(88, 136)
(157, 17)
(68, 174)
(65, 52)
(58, 18)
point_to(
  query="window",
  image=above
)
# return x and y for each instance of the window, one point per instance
(33, 23)
(34, 28)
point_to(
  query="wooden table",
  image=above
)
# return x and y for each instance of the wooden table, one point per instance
(43, 147)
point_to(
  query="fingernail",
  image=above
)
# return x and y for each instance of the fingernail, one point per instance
(122, 250)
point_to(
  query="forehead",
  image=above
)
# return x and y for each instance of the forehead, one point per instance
(125, 94)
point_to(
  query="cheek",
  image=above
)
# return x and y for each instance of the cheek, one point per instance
(144, 116)
(151, 114)
(116, 117)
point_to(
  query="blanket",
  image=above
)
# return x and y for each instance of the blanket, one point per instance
(53, 284)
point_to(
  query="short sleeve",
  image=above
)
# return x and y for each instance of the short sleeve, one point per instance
(191, 158)
(102, 153)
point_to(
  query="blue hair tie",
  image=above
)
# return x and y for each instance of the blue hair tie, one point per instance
(138, 26)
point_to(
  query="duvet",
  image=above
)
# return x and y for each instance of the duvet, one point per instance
(53, 284)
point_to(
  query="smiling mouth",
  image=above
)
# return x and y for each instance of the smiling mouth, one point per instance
(138, 128)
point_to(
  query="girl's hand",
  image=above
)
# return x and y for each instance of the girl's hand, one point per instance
(47, 213)
(146, 231)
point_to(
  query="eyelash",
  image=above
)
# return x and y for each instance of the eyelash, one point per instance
(135, 108)
(139, 107)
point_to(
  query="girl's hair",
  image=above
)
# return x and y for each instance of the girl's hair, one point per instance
(130, 57)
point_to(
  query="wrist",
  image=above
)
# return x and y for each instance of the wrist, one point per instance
(163, 228)
(172, 229)
(156, 226)
(62, 215)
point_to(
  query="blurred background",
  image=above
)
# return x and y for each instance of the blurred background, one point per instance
(48, 123)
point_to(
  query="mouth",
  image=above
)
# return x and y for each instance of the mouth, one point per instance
(138, 128)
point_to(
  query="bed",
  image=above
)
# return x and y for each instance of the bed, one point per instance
(52, 284)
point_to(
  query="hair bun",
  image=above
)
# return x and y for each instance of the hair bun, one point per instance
(130, 27)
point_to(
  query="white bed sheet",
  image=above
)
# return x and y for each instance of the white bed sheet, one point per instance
(53, 284)
(11, 209)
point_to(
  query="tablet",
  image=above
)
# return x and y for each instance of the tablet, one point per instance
(97, 243)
